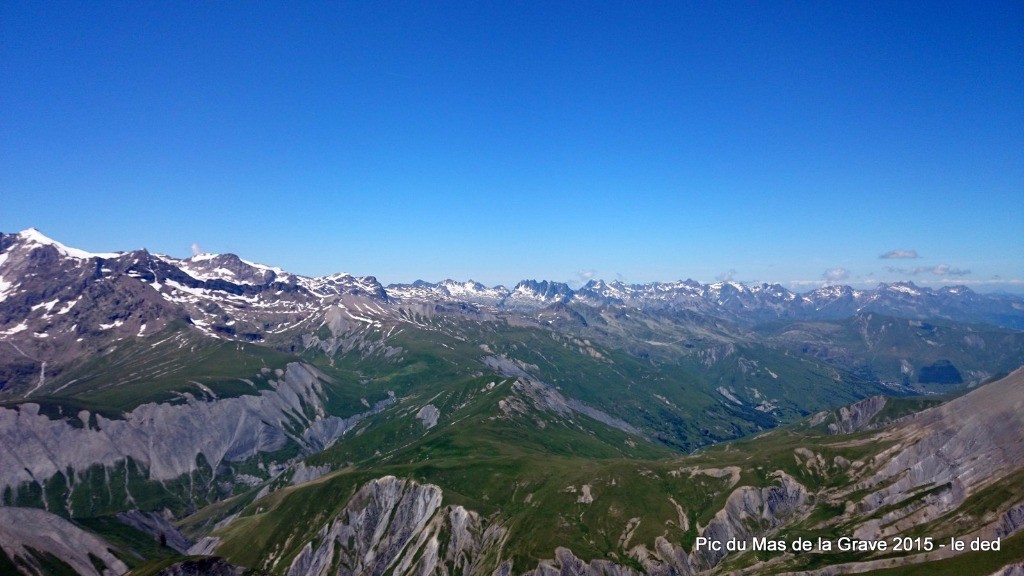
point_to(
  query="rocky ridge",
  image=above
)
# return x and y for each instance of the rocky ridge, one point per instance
(27, 532)
(953, 446)
(165, 439)
(58, 303)
(399, 527)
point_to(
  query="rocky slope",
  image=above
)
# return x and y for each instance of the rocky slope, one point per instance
(28, 536)
(961, 446)
(917, 473)
(399, 527)
(164, 440)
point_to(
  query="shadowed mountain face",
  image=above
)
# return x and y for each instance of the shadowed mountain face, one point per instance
(333, 425)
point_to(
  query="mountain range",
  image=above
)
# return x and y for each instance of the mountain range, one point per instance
(155, 408)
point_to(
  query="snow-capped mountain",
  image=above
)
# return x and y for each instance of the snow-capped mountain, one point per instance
(218, 289)
(58, 302)
(449, 290)
(530, 294)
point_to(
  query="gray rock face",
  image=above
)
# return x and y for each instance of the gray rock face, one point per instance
(1011, 521)
(955, 444)
(772, 506)
(546, 397)
(856, 416)
(429, 415)
(158, 527)
(746, 507)
(165, 439)
(399, 527)
(305, 473)
(205, 546)
(1015, 569)
(566, 563)
(21, 528)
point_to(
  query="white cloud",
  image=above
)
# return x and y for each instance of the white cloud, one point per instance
(803, 283)
(1014, 285)
(726, 276)
(899, 254)
(992, 282)
(939, 270)
(835, 274)
(196, 249)
(947, 270)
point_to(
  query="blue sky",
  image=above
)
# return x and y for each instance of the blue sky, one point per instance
(792, 142)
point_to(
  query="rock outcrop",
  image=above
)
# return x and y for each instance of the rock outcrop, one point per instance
(27, 532)
(565, 563)
(953, 445)
(749, 512)
(399, 527)
(857, 416)
(158, 527)
(546, 397)
(1015, 569)
(166, 439)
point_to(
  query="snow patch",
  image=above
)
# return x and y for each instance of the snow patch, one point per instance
(114, 324)
(67, 307)
(10, 331)
(48, 305)
(5, 288)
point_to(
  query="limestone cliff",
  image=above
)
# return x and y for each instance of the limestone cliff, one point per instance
(25, 533)
(166, 439)
(399, 527)
(961, 447)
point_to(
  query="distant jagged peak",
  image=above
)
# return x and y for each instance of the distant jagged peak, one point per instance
(543, 289)
(471, 289)
(204, 256)
(728, 297)
(904, 287)
(531, 284)
(772, 288)
(343, 283)
(909, 289)
(233, 260)
(834, 291)
(335, 277)
(463, 285)
(229, 267)
(728, 286)
(958, 290)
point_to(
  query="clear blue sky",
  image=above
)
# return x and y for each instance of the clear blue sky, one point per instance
(769, 141)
